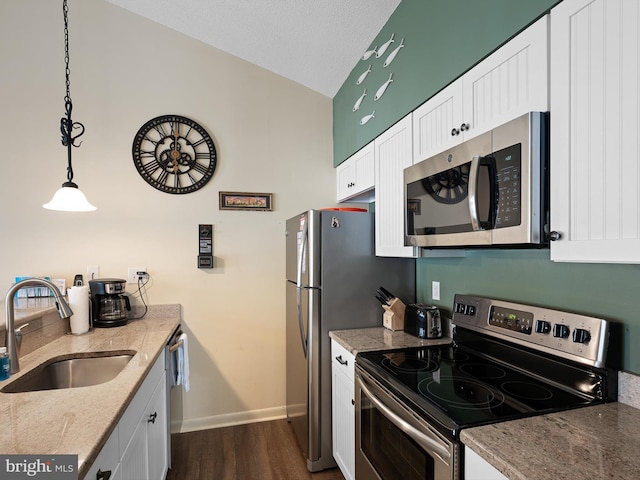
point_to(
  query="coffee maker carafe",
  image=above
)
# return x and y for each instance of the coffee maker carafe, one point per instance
(109, 304)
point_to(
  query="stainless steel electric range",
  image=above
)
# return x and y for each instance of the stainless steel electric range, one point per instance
(507, 361)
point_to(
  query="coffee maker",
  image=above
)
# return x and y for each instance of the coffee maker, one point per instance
(109, 304)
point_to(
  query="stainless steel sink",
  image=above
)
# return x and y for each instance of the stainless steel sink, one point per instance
(70, 371)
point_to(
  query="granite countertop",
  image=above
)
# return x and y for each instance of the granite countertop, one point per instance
(598, 442)
(379, 338)
(80, 420)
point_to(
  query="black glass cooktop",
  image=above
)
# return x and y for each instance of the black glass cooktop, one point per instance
(458, 388)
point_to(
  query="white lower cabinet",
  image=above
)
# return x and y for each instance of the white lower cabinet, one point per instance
(343, 409)
(477, 468)
(107, 461)
(137, 448)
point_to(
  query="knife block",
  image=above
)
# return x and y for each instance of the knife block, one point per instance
(393, 317)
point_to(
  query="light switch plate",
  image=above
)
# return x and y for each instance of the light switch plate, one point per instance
(435, 290)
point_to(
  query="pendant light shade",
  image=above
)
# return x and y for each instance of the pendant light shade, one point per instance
(69, 198)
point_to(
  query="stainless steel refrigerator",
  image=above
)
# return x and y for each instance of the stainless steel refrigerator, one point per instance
(332, 277)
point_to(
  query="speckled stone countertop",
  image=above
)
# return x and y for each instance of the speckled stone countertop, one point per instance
(598, 442)
(379, 338)
(80, 420)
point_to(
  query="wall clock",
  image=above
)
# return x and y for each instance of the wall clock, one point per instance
(174, 154)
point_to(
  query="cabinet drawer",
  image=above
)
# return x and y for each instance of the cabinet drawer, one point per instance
(136, 408)
(342, 359)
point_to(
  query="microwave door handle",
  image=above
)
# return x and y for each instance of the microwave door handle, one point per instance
(473, 193)
(405, 426)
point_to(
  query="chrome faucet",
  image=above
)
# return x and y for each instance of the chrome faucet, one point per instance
(10, 334)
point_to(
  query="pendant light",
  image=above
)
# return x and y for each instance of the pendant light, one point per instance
(69, 198)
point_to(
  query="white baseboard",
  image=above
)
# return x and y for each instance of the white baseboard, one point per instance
(228, 419)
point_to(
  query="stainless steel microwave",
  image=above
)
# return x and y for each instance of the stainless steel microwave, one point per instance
(492, 189)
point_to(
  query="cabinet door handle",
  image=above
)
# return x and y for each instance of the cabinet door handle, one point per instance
(103, 475)
(464, 127)
(152, 417)
(341, 361)
(353, 402)
(454, 132)
(554, 236)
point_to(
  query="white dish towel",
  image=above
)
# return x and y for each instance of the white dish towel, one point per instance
(182, 362)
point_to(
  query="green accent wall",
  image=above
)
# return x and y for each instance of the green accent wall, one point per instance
(528, 276)
(443, 39)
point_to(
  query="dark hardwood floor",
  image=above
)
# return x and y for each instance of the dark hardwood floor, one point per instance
(256, 451)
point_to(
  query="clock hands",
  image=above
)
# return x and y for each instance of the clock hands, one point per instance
(175, 154)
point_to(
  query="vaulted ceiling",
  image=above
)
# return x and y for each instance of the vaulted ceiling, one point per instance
(313, 42)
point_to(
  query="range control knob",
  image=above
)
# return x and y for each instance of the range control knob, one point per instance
(581, 336)
(542, 326)
(560, 331)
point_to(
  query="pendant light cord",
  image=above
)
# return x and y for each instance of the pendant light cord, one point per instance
(66, 124)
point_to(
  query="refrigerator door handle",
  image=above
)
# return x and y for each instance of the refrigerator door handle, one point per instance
(301, 321)
(302, 249)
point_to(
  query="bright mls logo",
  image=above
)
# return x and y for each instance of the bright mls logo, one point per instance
(58, 467)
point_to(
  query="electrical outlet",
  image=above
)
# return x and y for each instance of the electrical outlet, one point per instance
(133, 276)
(435, 290)
(93, 272)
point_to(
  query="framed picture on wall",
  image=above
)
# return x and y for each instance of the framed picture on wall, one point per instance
(246, 201)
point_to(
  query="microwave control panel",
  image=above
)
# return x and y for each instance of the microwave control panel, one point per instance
(508, 176)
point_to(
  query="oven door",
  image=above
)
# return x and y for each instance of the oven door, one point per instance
(392, 443)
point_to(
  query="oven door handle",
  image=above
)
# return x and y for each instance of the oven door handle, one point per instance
(425, 441)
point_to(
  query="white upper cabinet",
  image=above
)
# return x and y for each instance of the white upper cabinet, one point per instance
(393, 153)
(510, 82)
(355, 176)
(595, 123)
(435, 123)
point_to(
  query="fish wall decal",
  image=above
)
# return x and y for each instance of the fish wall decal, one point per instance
(366, 118)
(363, 75)
(393, 54)
(384, 46)
(382, 88)
(368, 53)
(356, 106)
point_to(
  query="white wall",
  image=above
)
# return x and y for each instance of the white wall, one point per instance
(272, 135)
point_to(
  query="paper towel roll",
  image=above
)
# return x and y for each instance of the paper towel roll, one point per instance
(79, 303)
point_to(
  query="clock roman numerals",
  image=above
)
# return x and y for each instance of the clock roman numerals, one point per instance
(151, 167)
(158, 128)
(200, 168)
